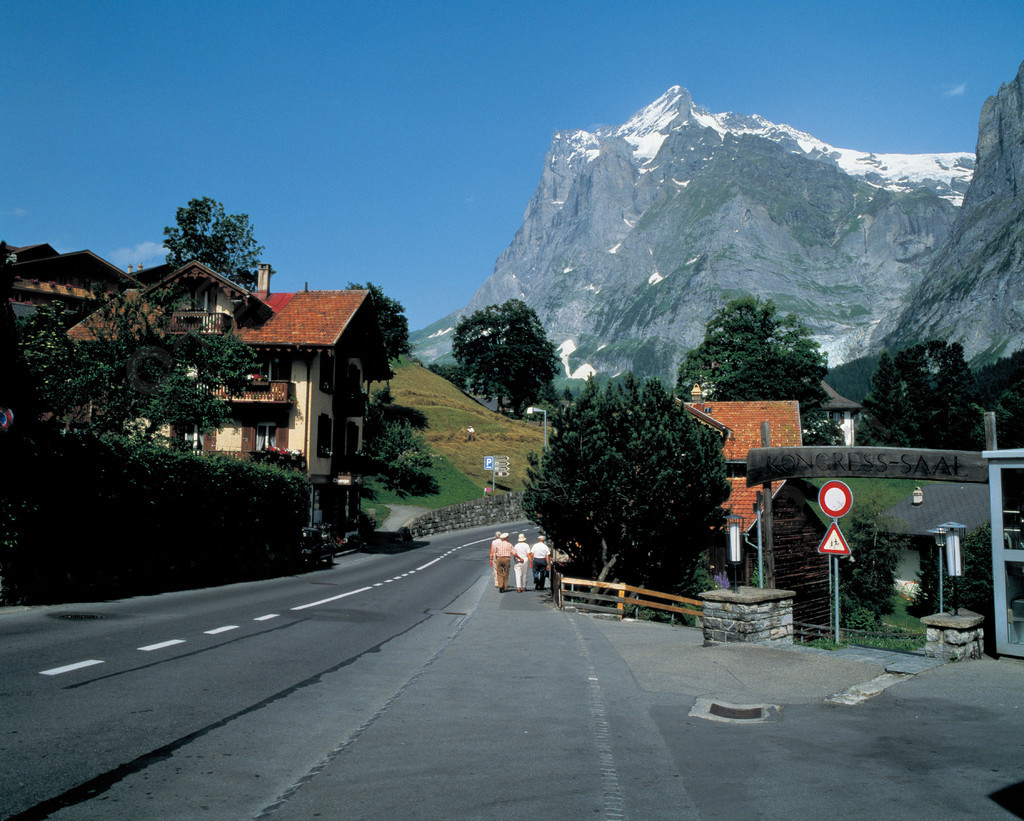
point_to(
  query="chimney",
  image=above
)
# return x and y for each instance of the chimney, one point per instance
(263, 280)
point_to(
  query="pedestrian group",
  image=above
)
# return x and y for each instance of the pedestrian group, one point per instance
(519, 558)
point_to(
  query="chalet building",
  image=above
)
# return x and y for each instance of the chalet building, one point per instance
(305, 403)
(842, 412)
(797, 529)
(43, 276)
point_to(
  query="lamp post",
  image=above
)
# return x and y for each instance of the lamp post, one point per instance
(948, 537)
(532, 410)
(940, 542)
(735, 546)
(954, 564)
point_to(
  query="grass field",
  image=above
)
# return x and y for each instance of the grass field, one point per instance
(458, 461)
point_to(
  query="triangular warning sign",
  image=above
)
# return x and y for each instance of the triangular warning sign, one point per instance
(834, 544)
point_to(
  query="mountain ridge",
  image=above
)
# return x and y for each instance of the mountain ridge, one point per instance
(637, 233)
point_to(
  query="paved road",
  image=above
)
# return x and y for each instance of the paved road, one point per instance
(488, 705)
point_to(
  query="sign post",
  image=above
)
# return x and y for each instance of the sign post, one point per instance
(835, 499)
(497, 465)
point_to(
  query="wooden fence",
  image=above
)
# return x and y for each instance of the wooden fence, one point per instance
(589, 595)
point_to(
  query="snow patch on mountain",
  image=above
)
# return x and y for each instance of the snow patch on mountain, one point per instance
(646, 131)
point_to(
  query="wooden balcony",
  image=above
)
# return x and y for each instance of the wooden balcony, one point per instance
(269, 392)
(202, 322)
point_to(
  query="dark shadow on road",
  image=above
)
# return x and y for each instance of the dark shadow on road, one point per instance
(1011, 799)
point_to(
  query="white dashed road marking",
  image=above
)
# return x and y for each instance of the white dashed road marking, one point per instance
(217, 630)
(332, 598)
(151, 647)
(56, 671)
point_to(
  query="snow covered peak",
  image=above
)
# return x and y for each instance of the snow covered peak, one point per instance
(948, 174)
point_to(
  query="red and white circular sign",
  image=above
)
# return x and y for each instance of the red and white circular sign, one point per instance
(835, 499)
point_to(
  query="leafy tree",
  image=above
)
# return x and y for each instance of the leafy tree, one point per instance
(630, 486)
(224, 242)
(453, 373)
(129, 375)
(505, 352)
(751, 352)
(869, 575)
(397, 453)
(973, 588)
(391, 316)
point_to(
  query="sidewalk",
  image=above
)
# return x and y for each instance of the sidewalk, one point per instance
(600, 708)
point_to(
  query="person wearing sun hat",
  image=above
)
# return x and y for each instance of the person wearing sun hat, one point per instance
(503, 561)
(521, 561)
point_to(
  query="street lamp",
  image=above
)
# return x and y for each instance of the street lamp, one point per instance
(954, 564)
(940, 542)
(532, 410)
(948, 537)
(735, 545)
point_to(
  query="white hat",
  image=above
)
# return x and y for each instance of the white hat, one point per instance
(540, 538)
(522, 538)
(504, 535)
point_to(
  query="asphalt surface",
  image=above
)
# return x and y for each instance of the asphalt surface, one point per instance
(501, 706)
(530, 712)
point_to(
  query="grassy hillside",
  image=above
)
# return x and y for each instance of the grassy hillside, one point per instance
(459, 462)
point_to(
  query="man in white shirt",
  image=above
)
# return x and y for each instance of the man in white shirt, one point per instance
(540, 558)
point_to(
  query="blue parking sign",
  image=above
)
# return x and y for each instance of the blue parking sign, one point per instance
(488, 463)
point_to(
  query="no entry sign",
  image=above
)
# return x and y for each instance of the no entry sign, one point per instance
(835, 499)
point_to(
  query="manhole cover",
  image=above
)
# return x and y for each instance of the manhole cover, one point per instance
(734, 713)
(741, 713)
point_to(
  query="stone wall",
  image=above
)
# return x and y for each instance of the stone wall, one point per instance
(490, 510)
(748, 614)
(955, 638)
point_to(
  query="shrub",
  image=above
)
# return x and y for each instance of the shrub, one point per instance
(104, 517)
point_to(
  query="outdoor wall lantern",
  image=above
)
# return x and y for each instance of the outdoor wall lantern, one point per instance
(532, 410)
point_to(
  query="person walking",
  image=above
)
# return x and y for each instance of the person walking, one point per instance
(494, 545)
(540, 555)
(520, 562)
(502, 561)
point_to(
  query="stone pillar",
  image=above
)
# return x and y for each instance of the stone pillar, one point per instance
(748, 614)
(955, 638)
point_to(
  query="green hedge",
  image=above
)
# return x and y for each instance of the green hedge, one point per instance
(84, 518)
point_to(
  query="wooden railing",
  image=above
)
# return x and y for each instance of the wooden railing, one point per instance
(583, 595)
(270, 391)
(204, 322)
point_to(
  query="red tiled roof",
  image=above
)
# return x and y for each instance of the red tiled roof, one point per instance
(314, 318)
(743, 419)
(742, 423)
(742, 498)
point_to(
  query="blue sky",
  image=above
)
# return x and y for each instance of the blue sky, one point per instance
(399, 142)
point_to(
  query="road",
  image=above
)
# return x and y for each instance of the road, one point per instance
(218, 700)
(403, 685)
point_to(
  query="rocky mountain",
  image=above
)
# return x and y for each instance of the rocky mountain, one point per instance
(973, 292)
(637, 233)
